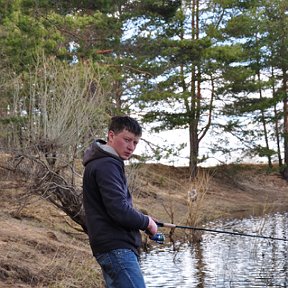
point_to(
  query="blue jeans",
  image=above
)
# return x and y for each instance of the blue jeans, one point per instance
(121, 269)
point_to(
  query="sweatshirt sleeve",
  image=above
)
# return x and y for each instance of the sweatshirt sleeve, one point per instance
(116, 197)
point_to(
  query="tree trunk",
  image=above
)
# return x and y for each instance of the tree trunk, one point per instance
(195, 103)
(285, 134)
(276, 122)
(193, 163)
(263, 120)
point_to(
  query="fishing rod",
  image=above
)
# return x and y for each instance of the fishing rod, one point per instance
(170, 225)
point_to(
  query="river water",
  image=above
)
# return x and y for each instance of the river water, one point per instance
(223, 260)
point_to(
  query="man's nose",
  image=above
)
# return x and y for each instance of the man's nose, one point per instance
(131, 146)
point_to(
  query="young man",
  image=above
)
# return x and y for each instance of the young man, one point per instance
(113, 224)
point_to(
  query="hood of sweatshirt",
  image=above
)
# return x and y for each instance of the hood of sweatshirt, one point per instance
(99, 149)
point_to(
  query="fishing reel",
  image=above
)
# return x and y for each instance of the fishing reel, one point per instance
(158, 238)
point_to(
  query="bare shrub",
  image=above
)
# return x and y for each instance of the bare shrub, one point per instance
(135, 172)
(195, 202)
(59, 108)
(62, 104)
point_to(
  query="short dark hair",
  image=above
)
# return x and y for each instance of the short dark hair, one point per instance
(120, 123)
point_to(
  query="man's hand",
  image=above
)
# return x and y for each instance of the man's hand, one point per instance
(152, 227)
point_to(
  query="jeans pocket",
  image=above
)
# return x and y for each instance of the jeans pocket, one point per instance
(104, 260)
(121, 268)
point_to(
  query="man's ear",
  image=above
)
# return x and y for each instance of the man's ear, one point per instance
(110, 135)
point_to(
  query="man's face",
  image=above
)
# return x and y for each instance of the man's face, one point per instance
(124, 143)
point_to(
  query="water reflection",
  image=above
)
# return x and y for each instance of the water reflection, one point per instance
(222, 260)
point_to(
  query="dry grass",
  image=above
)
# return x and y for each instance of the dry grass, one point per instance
(38, 245)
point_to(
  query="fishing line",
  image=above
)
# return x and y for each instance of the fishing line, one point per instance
(170, 225)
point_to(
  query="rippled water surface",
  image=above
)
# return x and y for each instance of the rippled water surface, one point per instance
(223, 260)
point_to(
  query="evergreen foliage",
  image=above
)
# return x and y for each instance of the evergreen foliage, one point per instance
(177, 64)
